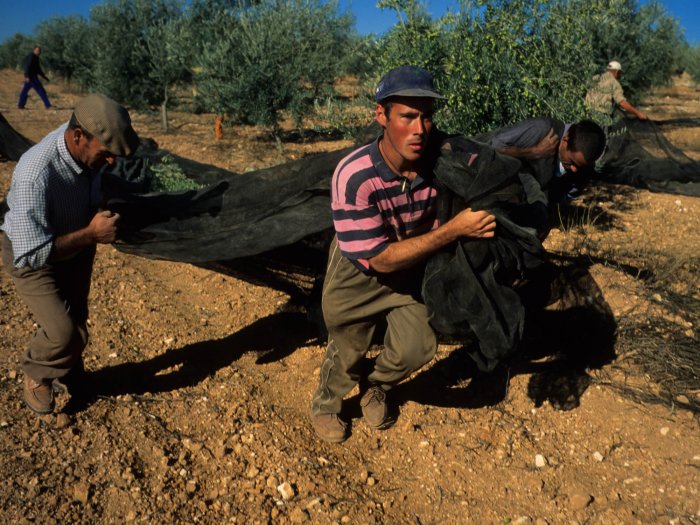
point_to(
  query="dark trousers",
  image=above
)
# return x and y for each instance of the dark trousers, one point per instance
(57, 296)
(35, 83)
(354, 304)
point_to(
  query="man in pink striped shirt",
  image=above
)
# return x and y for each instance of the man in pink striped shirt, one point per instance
(383, 202)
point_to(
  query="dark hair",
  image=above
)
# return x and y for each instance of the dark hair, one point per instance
(386, 104)
(588, 138)
(74, 124)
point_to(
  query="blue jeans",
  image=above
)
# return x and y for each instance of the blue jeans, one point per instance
(35, 83)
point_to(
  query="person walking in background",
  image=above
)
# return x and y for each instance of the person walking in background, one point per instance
(51, 231)
(385, 218)
(606, 95)
(32, 72)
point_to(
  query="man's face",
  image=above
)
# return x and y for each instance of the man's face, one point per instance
(573, 161)
(92, 153)
(615, 73)
(37, 51)
(406, 129)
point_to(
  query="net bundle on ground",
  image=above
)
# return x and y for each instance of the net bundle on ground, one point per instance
(639, 155)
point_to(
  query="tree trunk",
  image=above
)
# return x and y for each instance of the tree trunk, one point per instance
(164, 112)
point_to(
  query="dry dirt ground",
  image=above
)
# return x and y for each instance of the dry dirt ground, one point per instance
(203, 383)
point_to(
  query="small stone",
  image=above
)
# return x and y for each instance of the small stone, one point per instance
(252, 471)
(62, 420)
(371, 481)
(598, 456)
(540, 461)
(664, 431)
(364, 474)
(313, 503)
(323, 461)
(272, 482)
(191, 486)
(81, 492)
(298, 516)
(286, 491)
(12, 374)
(579, 501)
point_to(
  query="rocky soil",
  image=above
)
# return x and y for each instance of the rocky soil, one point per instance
(202, 383)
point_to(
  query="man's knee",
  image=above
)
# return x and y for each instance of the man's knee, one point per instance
(419, 352)
(65, 333)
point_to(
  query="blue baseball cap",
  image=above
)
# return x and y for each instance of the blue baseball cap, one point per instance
(406, 81)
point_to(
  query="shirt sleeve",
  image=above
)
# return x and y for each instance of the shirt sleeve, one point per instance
(358, 221)
(524, 134)
(32, 239)
(618, 95)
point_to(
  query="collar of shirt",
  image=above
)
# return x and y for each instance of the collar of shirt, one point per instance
(384, 170)
(562, 171)
(66, 156)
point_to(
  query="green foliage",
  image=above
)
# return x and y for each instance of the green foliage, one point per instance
(14, 49)
(169, 54)
(690, 62)
(499, 61)
(167, 175)
(645, 40)
(63, 41)
(268, 58)
(123, 64)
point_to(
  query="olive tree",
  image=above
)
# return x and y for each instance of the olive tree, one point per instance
(274, 57)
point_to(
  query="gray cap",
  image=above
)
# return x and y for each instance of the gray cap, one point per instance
(109, 123)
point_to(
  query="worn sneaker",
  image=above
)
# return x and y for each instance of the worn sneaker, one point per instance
(374, 408)
(329, 427)
(38, 396)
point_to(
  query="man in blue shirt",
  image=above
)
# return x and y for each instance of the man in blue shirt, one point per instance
(51, 231)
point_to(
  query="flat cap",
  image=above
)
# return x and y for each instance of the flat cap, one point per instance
(108, 122)
(406, 81)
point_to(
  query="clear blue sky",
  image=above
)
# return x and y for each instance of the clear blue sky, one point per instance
(17, 16)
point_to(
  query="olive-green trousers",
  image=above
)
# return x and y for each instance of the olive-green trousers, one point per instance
(57, 296)
(354, 305)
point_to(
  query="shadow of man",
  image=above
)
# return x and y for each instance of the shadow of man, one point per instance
(273, 337)
(569, 330)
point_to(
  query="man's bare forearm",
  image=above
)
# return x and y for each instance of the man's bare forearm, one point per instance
(409, 252)
(67, 245)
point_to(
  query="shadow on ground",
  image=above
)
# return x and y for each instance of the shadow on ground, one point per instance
(273, 337)
(569, 330)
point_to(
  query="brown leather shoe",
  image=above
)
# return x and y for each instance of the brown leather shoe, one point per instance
(329, 427)
(38, 395)
(374, 408)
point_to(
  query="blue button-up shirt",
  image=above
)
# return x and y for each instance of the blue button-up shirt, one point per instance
(50, 196)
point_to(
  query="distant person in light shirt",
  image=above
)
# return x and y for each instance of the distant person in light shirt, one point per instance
(606, 95)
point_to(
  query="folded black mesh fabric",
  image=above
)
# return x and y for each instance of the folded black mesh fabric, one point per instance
(468, 286)
(12, 144)
(232, 216)
(639, 155)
